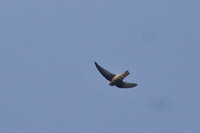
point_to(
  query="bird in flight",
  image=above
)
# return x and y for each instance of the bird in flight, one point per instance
(115, 79)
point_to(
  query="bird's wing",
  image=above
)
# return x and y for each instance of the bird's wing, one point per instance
(126, 85)
(108, 75)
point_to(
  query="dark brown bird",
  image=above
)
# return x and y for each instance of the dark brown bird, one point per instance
(115, 79)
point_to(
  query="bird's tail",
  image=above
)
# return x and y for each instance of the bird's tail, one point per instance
(126, 73)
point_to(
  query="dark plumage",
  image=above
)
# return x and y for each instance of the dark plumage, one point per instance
(115, 79)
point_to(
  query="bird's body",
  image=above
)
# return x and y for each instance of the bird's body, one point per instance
(115, 79)
(118, 78)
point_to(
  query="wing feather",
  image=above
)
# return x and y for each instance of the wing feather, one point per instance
(108, 75)
(126, 85)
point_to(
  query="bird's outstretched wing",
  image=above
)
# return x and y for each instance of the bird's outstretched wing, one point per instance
(126, 85)
(108, 75)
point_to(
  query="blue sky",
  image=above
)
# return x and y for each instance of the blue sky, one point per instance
(49, 83)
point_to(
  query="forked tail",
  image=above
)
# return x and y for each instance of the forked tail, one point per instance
(126, 73)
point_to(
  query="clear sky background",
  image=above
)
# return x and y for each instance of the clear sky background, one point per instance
(49, 83)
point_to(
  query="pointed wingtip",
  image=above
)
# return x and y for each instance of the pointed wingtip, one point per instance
(136, 85)
(97, 65)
